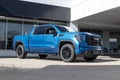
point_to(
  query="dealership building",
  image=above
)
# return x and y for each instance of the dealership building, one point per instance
(96, 16)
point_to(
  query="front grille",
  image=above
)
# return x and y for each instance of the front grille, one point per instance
(93, 41)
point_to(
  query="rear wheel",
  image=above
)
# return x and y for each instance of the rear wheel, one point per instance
(90, 58)
(20, 52)
(42, 56)
(67, 53)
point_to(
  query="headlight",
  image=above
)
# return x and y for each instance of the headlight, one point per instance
(79, 37)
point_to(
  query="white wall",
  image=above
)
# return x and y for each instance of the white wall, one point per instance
(83, 8)
(62, 3)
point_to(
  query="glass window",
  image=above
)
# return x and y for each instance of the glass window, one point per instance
(12, 30)
(62, 29)
(2, 35)
(39, 30)
(50, 30)
(27, 28)
(65, 29)
(2, 31)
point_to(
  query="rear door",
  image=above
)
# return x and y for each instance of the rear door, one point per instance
(36, 40)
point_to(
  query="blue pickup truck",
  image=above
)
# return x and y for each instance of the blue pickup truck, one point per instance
(59, 40)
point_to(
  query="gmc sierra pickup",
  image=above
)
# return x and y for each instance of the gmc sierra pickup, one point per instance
(52, 39)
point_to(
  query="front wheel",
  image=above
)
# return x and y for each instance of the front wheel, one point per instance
(90, 58)
(20, 52)
(67, 53)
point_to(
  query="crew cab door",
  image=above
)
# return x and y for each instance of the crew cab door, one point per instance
(43, 39)
(36, 40)
(50, 38)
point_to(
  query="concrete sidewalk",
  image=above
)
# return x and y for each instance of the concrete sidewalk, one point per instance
(7, 53)
(8, 59)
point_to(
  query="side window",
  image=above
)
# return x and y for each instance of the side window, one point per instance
(49, 30)
(39, 30)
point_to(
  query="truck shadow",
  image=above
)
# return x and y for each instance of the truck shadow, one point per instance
(56, 58)
(80, 60)
(96, 61)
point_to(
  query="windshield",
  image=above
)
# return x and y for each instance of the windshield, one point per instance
(65, 29)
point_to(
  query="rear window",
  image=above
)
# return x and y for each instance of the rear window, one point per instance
(39, 30)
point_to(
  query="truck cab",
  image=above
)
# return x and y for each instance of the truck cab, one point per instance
(59, 40)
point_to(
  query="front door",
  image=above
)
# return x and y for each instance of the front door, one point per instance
(50, 44)
(50, 38)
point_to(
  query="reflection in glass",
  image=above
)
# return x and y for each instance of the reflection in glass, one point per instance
(13, 29)
(2, 35)
(27, 28)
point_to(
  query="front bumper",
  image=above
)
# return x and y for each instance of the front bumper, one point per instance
(92, 53)
(95, 49)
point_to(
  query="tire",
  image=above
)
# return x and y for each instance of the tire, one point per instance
(90, 58)
(42, 56)
(20, 52)
(67, 53)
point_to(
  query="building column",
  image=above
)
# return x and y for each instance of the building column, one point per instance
(106, 43)
(74, 25)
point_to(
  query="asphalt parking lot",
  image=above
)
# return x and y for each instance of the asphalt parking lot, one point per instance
(53, 68)
(8, 59)
(62, 73)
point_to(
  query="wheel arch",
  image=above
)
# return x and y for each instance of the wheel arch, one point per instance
(18, 43)
(65, 42)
